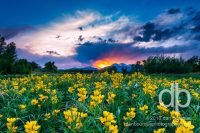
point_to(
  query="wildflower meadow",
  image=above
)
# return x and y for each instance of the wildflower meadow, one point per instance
(99, 102)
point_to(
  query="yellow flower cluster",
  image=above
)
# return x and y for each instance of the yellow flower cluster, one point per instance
(111, 97)
(117, 79)
(34, 102)
(130, 114)
(195, 94)
(55, 111)
(160, 130)
(144, 109)
(47, 116)
(82, 93)
(102, 89)
(96, 98)
(184, 127)
(10, 125)
(15, 85)
(22, 107)
(74, 118)
(71, 90)
(109, 121)
(176, 116)
(42, 97)
(100, 85)
(54, 97)
(31, 127)
(22, 91)
(163, 108)
(149, 88)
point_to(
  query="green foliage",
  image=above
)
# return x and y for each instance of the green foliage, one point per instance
(22, 66)
(9, 63)
(195, 63)
(50, 67)
(161, 64)
(22, 90)
(34, 66)
(7, 56)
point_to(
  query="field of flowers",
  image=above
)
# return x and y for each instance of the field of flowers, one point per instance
(96, 103)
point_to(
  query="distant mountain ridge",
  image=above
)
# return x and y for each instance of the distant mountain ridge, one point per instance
(122, 67)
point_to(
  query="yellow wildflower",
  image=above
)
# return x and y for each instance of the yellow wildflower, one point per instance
(22, 90)
(22, 106)
(113, 129)
(111, 97)
(31, 127)
(82, 92)
(10, 125)
(163, 108)
(186, 124)
(144, 108)
(160, 130)
(71, 90)
(149, 88)
(130, 114)
(56, 111)
(182, 129)
(34, 102)
(109, 121)
(97, 98)
(72, 116)
(42, 97)
(176, 116)
(47, 116)
(54, 98)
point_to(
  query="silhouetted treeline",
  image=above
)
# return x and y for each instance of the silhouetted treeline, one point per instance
(9, 64)
(162, 64)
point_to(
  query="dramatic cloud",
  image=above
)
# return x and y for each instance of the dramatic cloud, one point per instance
(86, 37)
(62, 36)
(127, 53)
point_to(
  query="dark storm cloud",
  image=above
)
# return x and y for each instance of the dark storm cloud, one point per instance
(151, 32)
(196, 17)
(9, 33)
(90, 52)
(173, 11)
(196, 28)
(196, 25)
(154, 31)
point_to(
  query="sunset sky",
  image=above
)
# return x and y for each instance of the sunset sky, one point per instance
(80, 33)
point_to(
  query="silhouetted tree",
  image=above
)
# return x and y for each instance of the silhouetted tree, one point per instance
(34, 66)
(50, 67)
(195, 63)
(7, 56)
(161, 64)
(22, 66)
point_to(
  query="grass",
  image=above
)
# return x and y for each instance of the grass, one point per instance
(98, 102)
